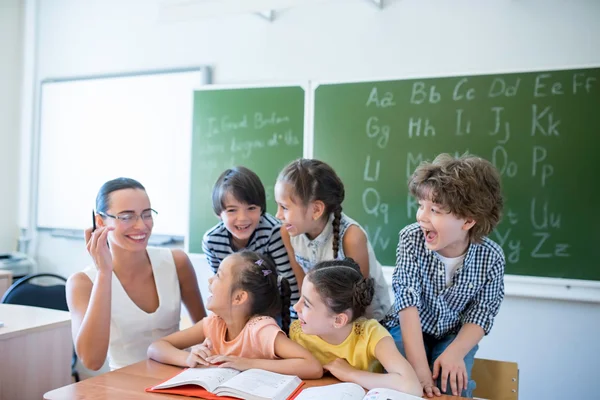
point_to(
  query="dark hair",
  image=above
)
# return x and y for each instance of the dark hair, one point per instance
(468, 186)
(342, 286)
(103, 197)
(269, 294)
(315, 180)
(241, 183)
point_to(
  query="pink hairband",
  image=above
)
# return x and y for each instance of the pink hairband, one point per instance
(260, 262)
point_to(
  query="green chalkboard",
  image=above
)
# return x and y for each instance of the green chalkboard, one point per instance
(540, 129)
(259, 128)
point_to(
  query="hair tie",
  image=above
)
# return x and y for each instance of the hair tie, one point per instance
(266, 272)
(259, 262)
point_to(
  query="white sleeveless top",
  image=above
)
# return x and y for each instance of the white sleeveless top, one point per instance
(310, 252)
(132, 330)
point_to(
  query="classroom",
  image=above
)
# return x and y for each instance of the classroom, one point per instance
(319, 69)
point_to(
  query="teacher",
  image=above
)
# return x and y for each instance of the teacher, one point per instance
(131, 295)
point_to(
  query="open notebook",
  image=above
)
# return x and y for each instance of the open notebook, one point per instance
(352, 391)
(223, 383)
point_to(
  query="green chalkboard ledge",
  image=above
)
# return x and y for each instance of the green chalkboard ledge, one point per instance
(538, 287)
(552, 288)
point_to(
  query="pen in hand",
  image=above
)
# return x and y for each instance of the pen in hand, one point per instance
(94, 226)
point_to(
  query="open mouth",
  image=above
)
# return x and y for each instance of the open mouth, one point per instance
(242, 228)
(138, 238)
(430, 235)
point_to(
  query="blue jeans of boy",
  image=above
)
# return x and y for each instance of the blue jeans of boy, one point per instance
(434, 348)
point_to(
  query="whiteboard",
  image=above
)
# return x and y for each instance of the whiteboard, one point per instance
(94, 130)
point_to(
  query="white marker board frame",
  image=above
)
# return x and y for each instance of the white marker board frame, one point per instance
(139, 125)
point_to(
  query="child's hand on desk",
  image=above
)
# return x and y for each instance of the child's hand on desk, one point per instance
(426, 379)
(452, 366)
(199, 354)
(97, 246)
(340, 369)
(239, 363)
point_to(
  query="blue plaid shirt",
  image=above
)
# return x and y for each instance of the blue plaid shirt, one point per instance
(419, 280)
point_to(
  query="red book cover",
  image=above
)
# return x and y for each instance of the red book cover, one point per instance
(191, 390)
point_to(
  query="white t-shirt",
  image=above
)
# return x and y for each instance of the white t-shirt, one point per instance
(310, 252)
(451, 264)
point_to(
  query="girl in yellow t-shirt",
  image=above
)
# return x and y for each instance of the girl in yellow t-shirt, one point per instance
(331, 325)
(241, 332)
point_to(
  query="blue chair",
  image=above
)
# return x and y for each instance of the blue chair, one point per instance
(25, 293)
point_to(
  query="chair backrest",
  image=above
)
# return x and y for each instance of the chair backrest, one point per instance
(496, 380)
(25, 293)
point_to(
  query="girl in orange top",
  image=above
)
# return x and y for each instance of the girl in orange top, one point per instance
(241, 334)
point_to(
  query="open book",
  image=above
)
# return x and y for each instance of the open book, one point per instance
(252, 384)
(352, 391)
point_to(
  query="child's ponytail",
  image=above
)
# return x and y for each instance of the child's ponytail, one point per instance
(285, 292)
(337, 218)
(363, 292)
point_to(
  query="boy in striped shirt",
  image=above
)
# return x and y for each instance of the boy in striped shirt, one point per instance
(239, 201)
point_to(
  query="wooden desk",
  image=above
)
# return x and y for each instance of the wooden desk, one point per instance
(129, 383)
(35, 351)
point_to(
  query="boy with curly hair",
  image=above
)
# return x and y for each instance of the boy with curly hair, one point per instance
(449, 277)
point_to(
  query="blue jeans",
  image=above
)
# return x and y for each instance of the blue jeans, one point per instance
(433, 349)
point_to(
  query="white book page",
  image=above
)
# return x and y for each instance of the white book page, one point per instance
(339, 391)
(208, 378)
(262, 383)
(388, 394)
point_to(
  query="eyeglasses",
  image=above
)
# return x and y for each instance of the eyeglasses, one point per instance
(130, 218)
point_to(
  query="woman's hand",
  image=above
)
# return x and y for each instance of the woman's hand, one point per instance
(97, 246)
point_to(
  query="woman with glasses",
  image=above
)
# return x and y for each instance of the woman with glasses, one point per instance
(132, 294)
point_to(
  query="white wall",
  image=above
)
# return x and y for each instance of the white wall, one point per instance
(554, 342)
(11, 25)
